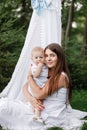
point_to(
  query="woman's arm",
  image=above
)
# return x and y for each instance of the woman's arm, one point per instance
(41, 93)
(26, 92)
(34, 102)
(63, 81)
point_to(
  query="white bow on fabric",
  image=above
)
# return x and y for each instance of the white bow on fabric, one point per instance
(39, 5)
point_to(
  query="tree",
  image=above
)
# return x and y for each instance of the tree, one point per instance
(13, 26)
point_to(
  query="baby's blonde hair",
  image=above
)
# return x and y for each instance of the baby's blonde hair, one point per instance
(35, 49)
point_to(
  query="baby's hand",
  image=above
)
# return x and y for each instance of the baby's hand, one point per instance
(40, 64)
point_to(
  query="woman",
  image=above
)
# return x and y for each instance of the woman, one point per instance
(44, 28)
(56, 92)
(17, 115)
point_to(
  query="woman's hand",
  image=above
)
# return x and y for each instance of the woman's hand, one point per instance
(36, 103)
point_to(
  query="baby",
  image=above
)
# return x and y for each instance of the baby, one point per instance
(40, 73)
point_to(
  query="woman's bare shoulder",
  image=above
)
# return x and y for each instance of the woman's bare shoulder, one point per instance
(63, 81)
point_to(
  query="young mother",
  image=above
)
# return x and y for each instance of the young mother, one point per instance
(56, 110)
(17, 115)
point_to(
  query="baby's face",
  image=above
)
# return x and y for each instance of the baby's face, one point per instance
(38, 57)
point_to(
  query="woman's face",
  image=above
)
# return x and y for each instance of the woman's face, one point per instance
(50, 58)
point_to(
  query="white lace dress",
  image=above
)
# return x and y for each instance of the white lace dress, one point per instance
(17, 115)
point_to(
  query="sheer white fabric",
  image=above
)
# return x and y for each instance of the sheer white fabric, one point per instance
(43, 30)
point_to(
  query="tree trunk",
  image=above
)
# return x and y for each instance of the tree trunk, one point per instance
(23, 17)
(62, 13)
(69, 24)
(70, 18)
(63, 3)
(85, 37)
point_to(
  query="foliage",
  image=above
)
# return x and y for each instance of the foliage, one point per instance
(84, 127)
(54, 128)
(77, 63)
(79, 99)
(12, 36)
(11, 41)
(74, 46)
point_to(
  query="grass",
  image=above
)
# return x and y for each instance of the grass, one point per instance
(84, 127)
(79, 101)
(56, 128)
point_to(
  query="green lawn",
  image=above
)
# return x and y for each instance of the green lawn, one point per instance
(79, 101)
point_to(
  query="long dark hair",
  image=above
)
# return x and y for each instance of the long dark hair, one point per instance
(61, 66)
